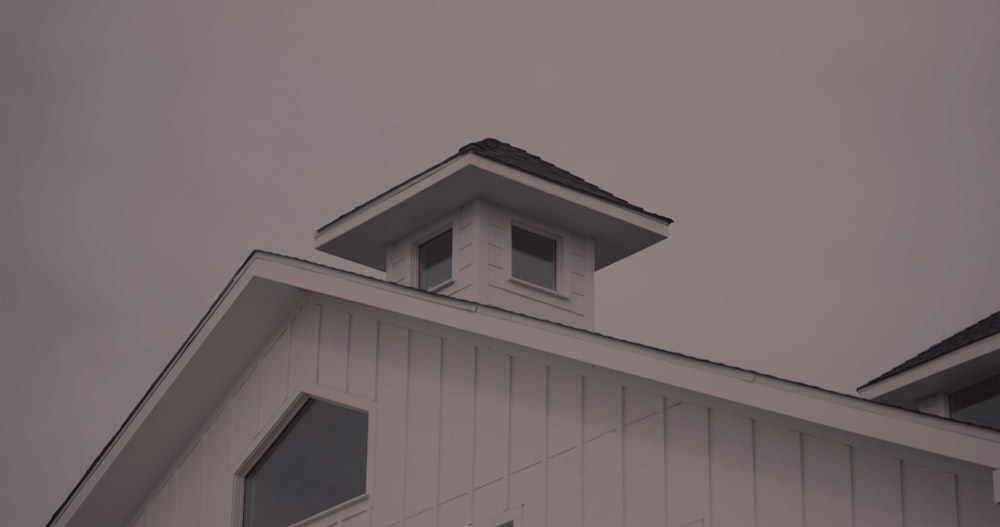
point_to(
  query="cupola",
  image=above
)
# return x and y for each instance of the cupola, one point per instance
(499, 226)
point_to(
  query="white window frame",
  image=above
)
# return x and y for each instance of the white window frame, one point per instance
(425, 235)
(562, 269)
(290, 407)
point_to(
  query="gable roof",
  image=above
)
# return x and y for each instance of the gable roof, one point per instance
(985, 328)
(267, 285)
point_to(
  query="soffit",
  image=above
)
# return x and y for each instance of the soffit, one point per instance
(505, 175)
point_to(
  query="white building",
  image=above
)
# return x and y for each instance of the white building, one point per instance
(470, 389)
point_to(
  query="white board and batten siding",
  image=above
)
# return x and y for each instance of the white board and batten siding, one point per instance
(464, 433)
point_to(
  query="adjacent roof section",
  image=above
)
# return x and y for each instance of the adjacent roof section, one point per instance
(986, 327)
(503, 174)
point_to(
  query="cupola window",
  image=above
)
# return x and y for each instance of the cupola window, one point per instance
(533, 258)
(435, 261)
(978, 404)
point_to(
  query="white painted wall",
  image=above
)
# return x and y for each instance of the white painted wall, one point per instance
(464, 432)
(481, 264)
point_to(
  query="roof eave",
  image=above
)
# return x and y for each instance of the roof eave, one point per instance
(363, 234)
(268, 286)
(947, 372)
(171, 410)
(852, 414)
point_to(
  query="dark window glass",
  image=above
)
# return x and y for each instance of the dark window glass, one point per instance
(317, 462)
(978, 404)
(534, 258)
(435, 261)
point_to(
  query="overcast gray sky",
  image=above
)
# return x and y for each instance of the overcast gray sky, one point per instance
(833, 167)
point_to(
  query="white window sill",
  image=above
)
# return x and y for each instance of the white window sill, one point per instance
(538, 288)
(443, 285)
(342, 511)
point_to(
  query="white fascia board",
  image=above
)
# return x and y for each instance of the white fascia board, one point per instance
(133, 421)
(153, 398)
(921, 432)
(933, 367)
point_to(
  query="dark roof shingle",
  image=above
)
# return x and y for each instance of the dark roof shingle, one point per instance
(514, 157)
(986, 327)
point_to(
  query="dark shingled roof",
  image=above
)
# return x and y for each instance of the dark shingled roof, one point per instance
(519, 159)
(986, 327)
(524, 161)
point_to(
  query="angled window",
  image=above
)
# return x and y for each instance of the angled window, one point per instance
(978, 404)
(533, 258)
(318, 462)
(435, 261)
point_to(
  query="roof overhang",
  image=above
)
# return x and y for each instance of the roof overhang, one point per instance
(364, 234)
(962, 367)
(180, 400)
(268, 286)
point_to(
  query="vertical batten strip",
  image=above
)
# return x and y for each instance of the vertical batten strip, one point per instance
(440, 433)
(688, 465)
(245, 402)
(217, 496)
(527, 414)
(666, 463)
(390, 441)
(827, 482)
(643, 487)
(190, 484)
(492, 417)
(303, 365)
(621, 449)
(875, 483)
(753, 466)
(423, 417)
(274, 378)
(975, 503)
(802, 475)
(777, 475)
(731, 473)
(708, 449)
(475, 425)
(363, 359)
(928, 496)
(334, 348)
